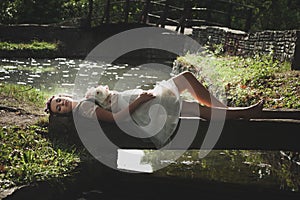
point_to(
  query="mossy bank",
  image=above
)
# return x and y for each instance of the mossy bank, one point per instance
(34, 49)
(243, 81)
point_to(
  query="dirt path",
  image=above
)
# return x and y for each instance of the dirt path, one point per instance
(8, 118)
(12, 115)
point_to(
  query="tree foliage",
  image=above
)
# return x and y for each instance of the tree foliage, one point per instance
(274, 14)
(267, 14)
(30, 11)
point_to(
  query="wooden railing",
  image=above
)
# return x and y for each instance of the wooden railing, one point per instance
(182, 14)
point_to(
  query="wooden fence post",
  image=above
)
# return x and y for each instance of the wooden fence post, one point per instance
(126, 11)
(144, 14)
(164, 15)
(229, 15)
(249, 19)
(185, 16)
(208, 10)
(106, 12)
(296, 57)
(90, 14)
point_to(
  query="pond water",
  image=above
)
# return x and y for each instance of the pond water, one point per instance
(278, 170)
(59, 75)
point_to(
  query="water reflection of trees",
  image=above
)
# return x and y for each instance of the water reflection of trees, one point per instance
(276, 169)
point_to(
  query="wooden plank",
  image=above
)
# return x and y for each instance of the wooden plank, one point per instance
(280, 114)
(257, 134)
(153, 15)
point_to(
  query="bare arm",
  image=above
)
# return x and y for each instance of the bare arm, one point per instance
(107, 116)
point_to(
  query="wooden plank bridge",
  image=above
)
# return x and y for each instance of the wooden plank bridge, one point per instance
(275, 130)
(181, 14)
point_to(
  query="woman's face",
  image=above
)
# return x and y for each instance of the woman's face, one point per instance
(61, 104)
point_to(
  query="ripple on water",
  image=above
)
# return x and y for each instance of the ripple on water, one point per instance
(21, 83)
(34, 75)
(10, 67)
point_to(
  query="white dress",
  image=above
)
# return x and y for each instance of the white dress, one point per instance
(156, 119)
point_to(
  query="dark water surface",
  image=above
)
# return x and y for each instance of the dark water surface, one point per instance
(270, 170)
(59, 75)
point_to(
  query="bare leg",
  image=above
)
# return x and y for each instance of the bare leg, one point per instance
(187, 81)
(193, 108)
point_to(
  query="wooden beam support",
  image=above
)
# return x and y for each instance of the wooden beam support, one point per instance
(258, 134)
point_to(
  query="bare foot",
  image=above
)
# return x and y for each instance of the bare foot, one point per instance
(250, 112)
(255, 110)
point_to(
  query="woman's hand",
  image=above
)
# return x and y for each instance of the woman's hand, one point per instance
(108, 116)
(144, 97)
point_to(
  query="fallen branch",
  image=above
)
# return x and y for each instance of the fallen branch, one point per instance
(20, 110)
(12, 109)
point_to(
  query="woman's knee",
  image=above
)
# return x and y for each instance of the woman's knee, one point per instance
(183, 80)
(184, 77)
(186, 74)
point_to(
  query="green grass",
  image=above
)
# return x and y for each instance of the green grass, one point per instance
(22, 96)
(246, 80)
(26, 156)
(34, 45)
